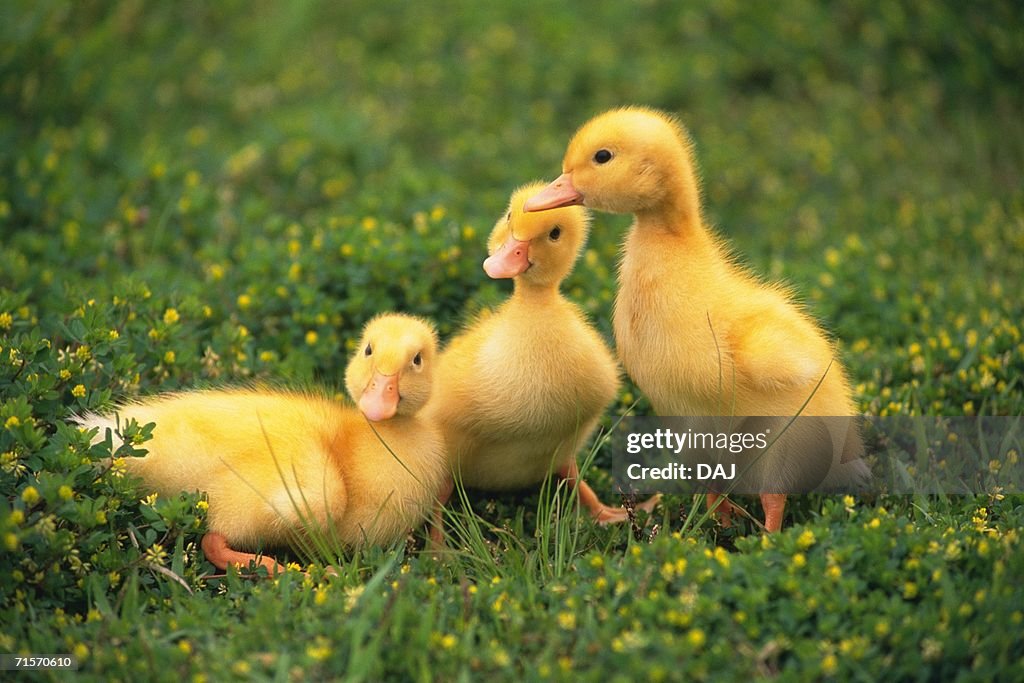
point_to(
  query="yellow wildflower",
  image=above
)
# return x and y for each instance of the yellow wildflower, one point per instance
(30, 495)
(320, 651)
(696, 638)
(501, 658)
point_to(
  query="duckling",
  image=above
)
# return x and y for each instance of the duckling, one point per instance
(699, 334)
(521, 390)
(273, 462)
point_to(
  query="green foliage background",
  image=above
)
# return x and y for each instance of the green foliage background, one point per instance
(197, 193)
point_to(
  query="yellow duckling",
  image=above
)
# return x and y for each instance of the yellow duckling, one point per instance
(522, 389)
(698, 333)
(272, 462)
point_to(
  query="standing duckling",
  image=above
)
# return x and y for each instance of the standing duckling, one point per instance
(273, 462)
(698, 333)
(522, 389)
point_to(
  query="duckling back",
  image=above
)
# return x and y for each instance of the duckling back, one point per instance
(252, 452)
(273, 463)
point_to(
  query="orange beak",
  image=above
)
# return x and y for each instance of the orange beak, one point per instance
(511, 259)
(380, 400)
(559, 193)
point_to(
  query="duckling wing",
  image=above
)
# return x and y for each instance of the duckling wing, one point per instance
(778, 348)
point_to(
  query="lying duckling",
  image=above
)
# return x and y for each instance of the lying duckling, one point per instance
(272, 462)
(521, 390)
(698, 333)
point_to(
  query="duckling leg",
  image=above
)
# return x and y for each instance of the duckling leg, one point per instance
(723, 511)
(774, 504)
(436, 535)
(215, 547)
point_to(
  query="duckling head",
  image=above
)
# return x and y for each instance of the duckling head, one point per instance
(536, 248)
(391, 372)
(629, 160)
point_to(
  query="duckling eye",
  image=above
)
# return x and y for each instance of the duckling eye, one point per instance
(508, 217)
(602, 156)
(369, 350)
(417, 360)
(555, 233)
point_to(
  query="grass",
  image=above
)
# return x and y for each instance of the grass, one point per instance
(195, 195)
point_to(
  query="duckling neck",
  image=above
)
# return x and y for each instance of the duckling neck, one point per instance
(391, 429)
(533, 293)
(397, 423)
(681, 226)
(678, 213)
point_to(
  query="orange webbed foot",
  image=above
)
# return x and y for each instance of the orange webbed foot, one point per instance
(601, 513)
(215, 547)
(605, 514)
